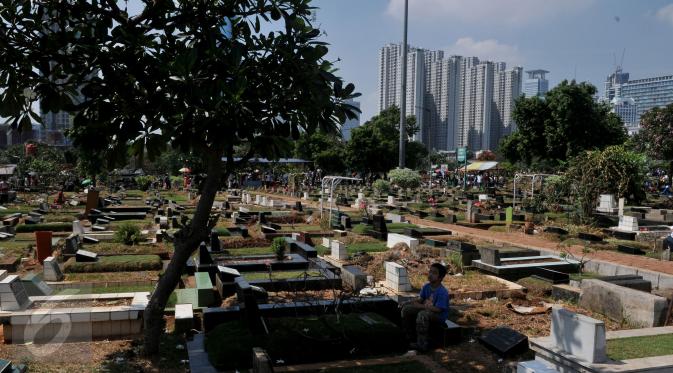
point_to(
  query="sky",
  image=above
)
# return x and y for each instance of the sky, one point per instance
(573, 39)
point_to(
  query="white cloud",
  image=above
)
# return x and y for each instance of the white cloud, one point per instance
(489, 49)
(666, 14)
(511, 12)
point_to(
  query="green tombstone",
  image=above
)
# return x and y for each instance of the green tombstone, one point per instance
(508, 215)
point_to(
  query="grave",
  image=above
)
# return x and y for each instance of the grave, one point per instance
(607, 204)
(391, 201)
(628, 223)
(85, 256)
(224, 281)
(397, 277)
(204, 289)
(204, 256)
(380, 230)
(91, 201)
(43, 243)
(215, 244)
(630, 250)
(395, 218)
(551, 276)
(579, 344)
(338, 250)
(35, 286)
(621, 303)
(72, 244)
(77, 228)
(354, 276)
(184, 318)
(514, 268)
(51, 270)
(505, 341)
(395, 238)
(13, 296)
(589, 237)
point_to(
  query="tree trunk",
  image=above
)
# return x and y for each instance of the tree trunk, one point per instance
(186, 241)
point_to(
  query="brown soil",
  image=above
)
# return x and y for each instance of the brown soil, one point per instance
(534, 241)
(82, 303)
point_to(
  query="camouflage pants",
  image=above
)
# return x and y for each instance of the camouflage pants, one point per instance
(418, 320)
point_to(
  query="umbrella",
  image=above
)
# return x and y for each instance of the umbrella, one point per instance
(86, 182)
(185, 170)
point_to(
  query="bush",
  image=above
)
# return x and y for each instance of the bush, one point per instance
(143, 182)
(404, 178)
(279, 247)
(128, 234)
(381, 187)
(54, 227)
(119, 263)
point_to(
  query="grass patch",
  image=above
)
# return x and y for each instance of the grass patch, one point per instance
(106, 289)
(15, 248)
(222, 231)
(584, 276)
(368, 247)
(112, 276)
(118, 263)
(639, 347)
(122, 249)
(280, 275)
(245, 251)
(54, 227)
(300, 228)
(328, 338)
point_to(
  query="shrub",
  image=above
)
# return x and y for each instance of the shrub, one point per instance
(144, 182)
(279, 247)
(128, 234)
(222, 231)
(54, 227)
(118, 263)
(404, 178)
(381, 187)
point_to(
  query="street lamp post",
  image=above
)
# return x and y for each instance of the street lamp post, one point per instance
(403, 99)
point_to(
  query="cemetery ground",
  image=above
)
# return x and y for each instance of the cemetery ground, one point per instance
(275, 275)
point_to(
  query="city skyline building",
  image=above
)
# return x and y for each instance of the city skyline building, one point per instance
(350, 123)
(630, 99)
(465, 101)
(536, 84)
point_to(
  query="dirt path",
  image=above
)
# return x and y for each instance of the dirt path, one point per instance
(532, 241)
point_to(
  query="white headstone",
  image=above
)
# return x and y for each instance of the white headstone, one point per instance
(483, 197)
(258, 199)
(234, 216)
(395, 238)
(361, 196)
(621, 207)
(326, 241)
(305, 196)
(534, 366)
(51, 271)
(338, 250)
(578, 335)
(391, 200)
(397, 277)
(77, 228)
(628, 223)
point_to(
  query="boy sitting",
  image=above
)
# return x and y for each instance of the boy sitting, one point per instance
(432, 307)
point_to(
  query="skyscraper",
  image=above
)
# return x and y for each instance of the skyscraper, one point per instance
(350, 123)
(630, 99)
(464, 101)
(536, 84)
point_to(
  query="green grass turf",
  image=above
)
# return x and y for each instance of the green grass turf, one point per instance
(640, 347)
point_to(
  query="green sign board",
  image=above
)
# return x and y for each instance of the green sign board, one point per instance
(508, 215)
(462, 154)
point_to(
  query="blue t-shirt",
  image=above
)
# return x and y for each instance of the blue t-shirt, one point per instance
(439, 296)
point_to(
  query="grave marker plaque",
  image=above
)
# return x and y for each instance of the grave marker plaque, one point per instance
(43, 243)
(86, 256)
(91, 201)
(505, 341)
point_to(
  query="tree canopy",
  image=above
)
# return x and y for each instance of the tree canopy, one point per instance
(562, 125)
(373, 147)
(656, 134)
(218, 78)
